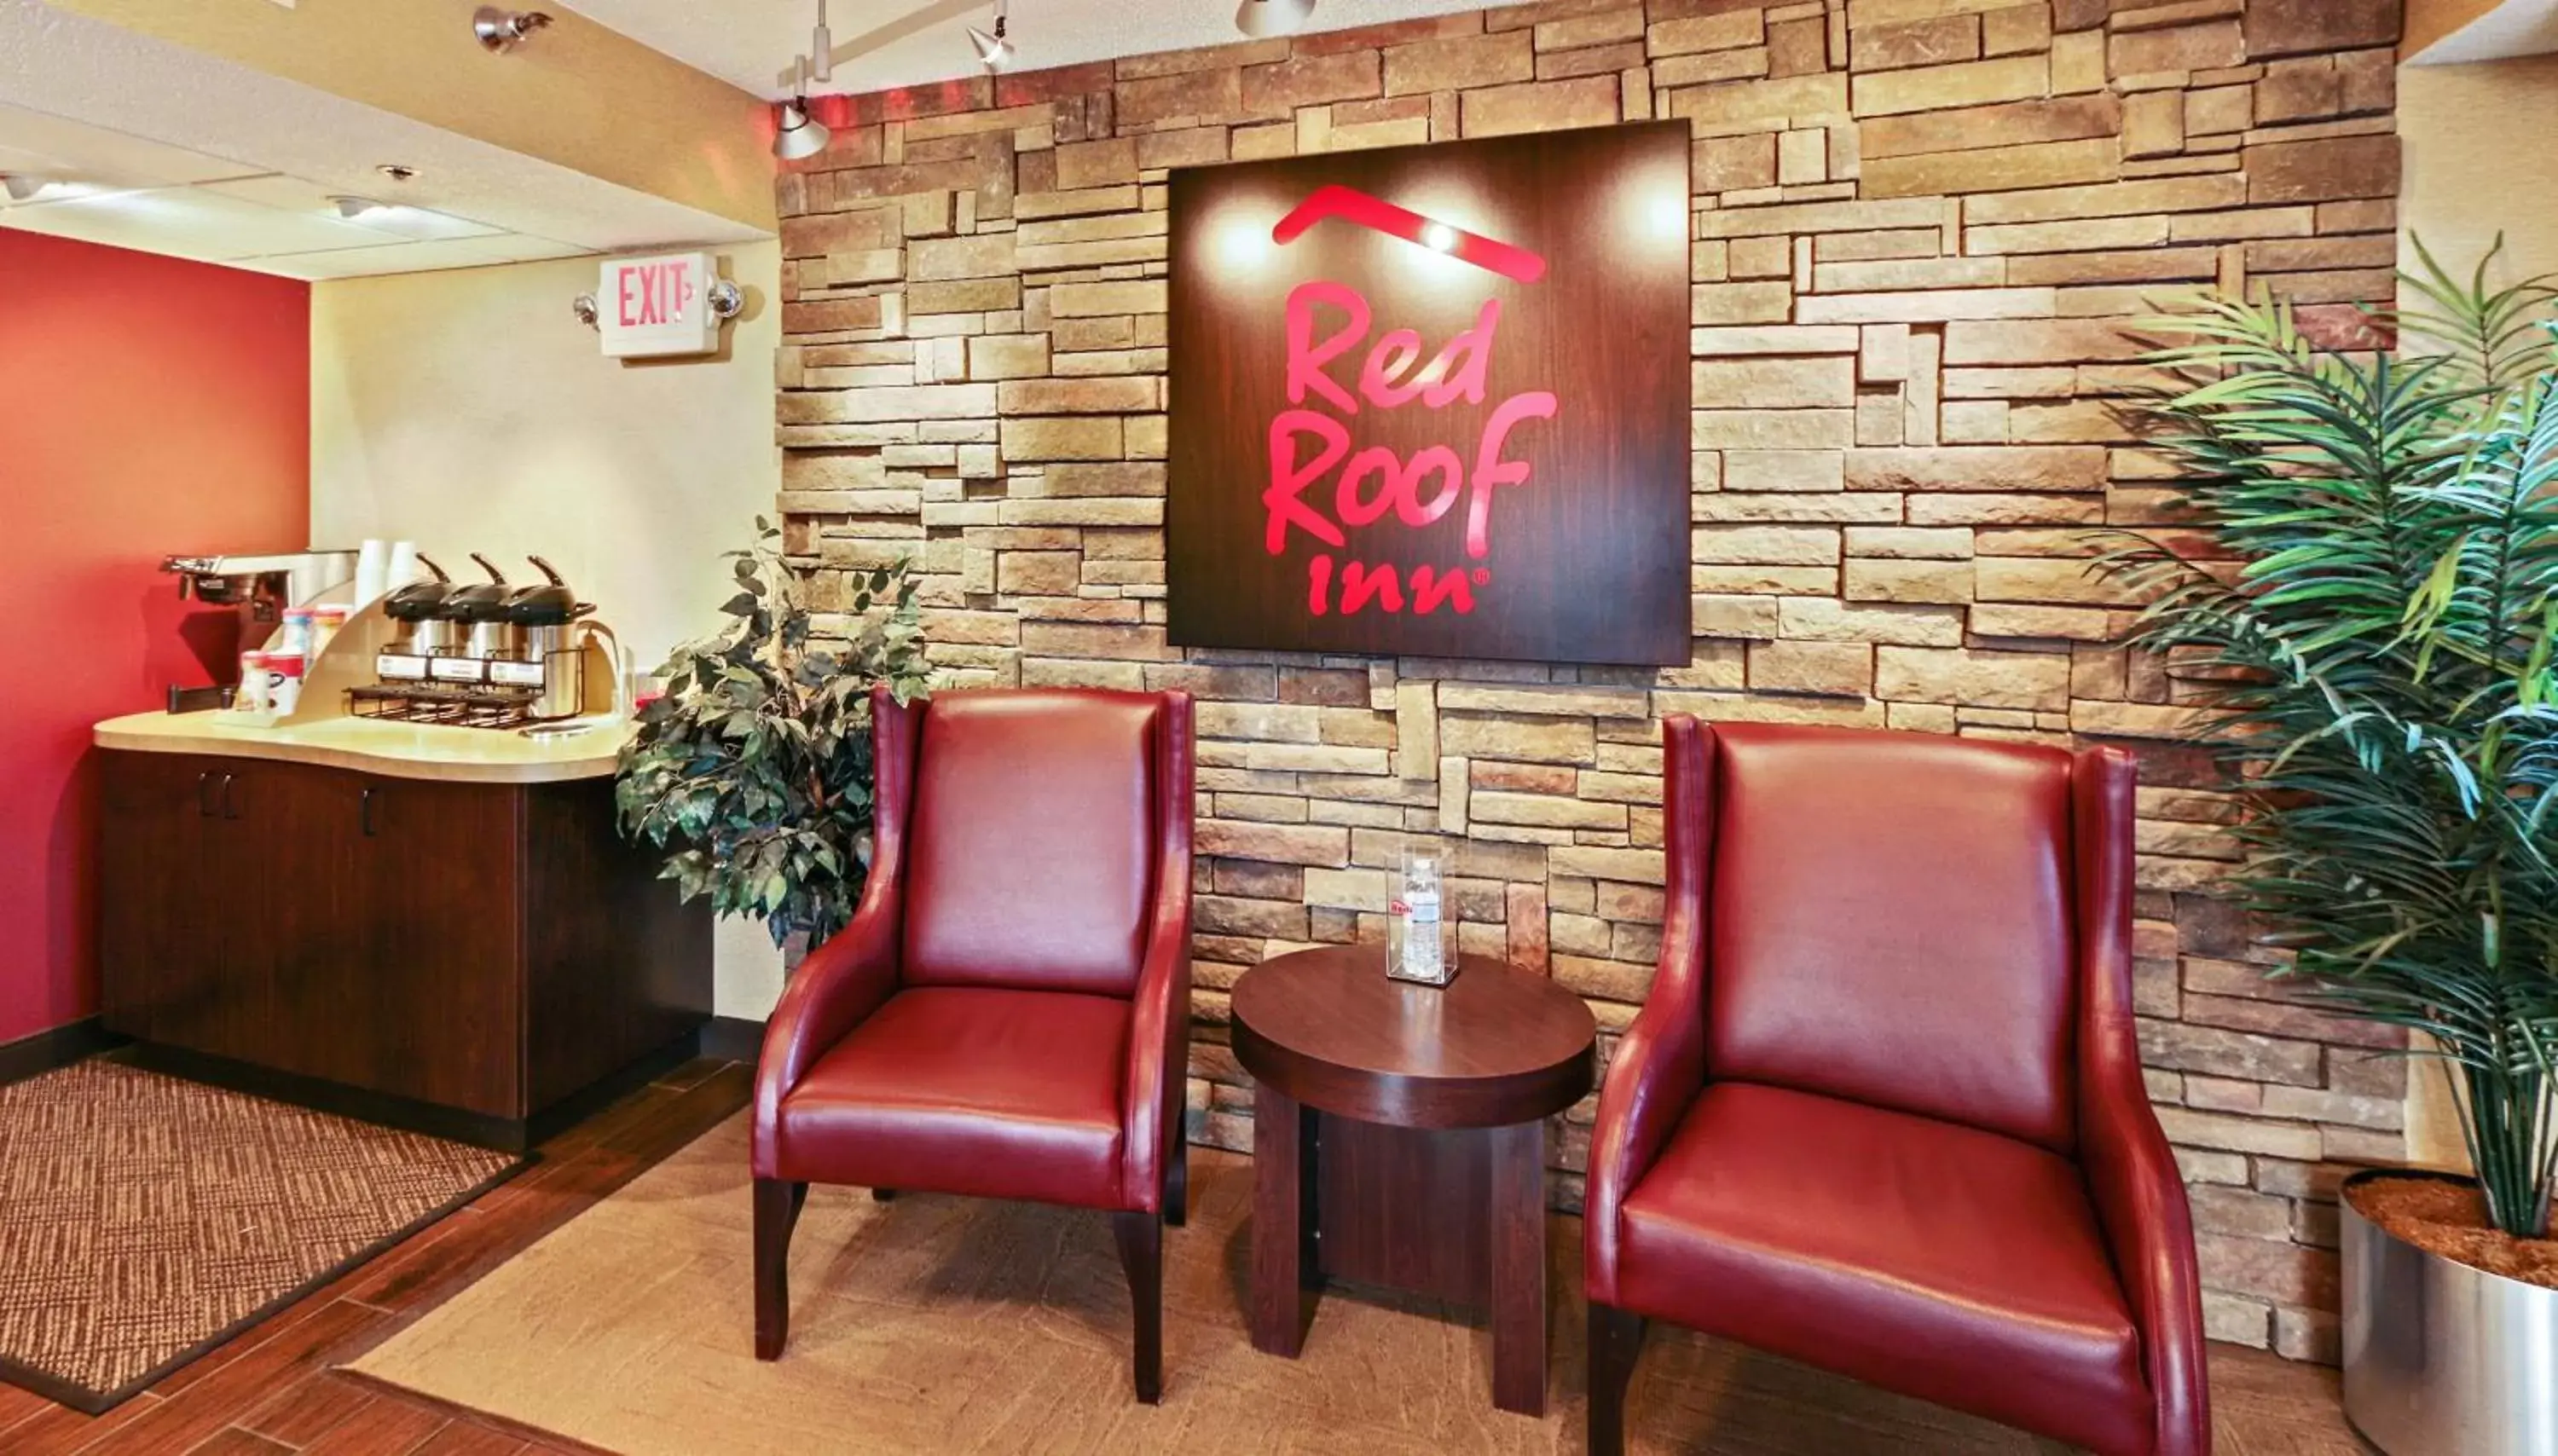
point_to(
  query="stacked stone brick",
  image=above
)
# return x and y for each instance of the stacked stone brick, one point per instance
(1921, 226)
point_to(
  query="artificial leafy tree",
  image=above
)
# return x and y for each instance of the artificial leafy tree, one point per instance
(2376, 640)
(754, 770)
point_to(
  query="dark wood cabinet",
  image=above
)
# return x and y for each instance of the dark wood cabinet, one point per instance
(469, 958)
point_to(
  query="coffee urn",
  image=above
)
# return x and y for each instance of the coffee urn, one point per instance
(544, 615)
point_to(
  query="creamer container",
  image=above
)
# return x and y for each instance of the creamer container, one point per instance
(296, 638)
(252, 695)
(283, 682)
(326, 620)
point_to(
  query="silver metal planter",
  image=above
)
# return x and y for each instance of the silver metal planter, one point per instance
(2441, 1359)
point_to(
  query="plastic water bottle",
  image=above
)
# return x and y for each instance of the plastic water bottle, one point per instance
(1416, 948)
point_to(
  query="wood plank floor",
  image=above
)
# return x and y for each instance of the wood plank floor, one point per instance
(275, 1393)
(272, 1391)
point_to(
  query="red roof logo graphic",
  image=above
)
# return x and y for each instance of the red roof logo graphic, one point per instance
(1352, 205)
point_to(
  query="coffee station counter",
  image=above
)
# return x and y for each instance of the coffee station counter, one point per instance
(435, 925)
(388, 747)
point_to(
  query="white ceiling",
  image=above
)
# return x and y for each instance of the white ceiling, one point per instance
(2513, 28)
(170, 151)
(751, 43)
(107, 187)
(155, 147)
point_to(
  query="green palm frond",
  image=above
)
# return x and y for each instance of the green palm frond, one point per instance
(2379, 667)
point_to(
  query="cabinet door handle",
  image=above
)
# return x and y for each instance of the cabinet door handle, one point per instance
(230, 801)
(205, 795)
(364, 812)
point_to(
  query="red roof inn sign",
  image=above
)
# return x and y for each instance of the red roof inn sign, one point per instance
(1434, 400)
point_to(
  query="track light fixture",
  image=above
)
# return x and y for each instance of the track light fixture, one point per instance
(1259, 17)
(23, 187)
(503, 30)
(994, 52)
(822, 48)
(799, 133)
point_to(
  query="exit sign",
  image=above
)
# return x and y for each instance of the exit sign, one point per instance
(655, 307)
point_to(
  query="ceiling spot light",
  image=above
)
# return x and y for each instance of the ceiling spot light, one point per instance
(1259, 17)
(351, 208)
(994, 52)
(503, 30)
(1439, 235)
(23, 187)
(800, 134)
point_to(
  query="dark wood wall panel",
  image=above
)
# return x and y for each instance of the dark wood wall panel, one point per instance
(1541, 281)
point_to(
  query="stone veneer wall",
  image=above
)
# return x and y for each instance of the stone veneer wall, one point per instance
(1918, 226)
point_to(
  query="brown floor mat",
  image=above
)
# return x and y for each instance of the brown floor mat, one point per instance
(145, 1220)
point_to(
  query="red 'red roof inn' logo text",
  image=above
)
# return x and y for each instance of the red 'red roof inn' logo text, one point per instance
(1464, 427)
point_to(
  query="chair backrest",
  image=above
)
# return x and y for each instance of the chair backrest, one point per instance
(1031, 847)
(1889, 920)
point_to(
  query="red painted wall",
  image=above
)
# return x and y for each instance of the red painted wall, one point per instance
(147, 406)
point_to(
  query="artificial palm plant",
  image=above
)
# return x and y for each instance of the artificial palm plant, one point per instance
(2377, 637)
(754, 769)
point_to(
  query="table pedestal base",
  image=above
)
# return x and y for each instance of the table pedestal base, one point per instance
(1456, 1214)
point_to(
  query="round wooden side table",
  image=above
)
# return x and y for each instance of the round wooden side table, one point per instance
(1398, 1140)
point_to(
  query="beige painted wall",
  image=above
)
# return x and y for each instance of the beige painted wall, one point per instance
(468, 411)
(2474, 164)
(2472, 172)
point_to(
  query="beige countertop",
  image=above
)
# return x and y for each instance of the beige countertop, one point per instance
(370, 745)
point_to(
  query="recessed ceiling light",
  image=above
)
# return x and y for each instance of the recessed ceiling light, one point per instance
(1440, 236)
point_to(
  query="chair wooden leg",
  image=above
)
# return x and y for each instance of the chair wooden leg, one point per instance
(777, 1209)
(1177, 1177)
(1141, 1252)
(1615, 1339)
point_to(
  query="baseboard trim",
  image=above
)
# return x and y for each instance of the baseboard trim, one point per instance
(595, 1096)
(733, 1039)
(520, 1135)
(387, 1110)
(57, 1046)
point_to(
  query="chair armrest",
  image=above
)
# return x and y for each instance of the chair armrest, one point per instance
(2131, 1174)
(1659, 1065)
(1159, 1035)
(844, 981)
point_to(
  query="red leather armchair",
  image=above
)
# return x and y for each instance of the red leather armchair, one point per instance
(1881, 1111)
(1007, 1014)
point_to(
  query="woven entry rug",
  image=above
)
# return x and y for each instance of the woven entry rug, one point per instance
(145, 1220)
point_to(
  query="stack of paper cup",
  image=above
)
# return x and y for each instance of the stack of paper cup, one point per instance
(403, 564)
(372, 571)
